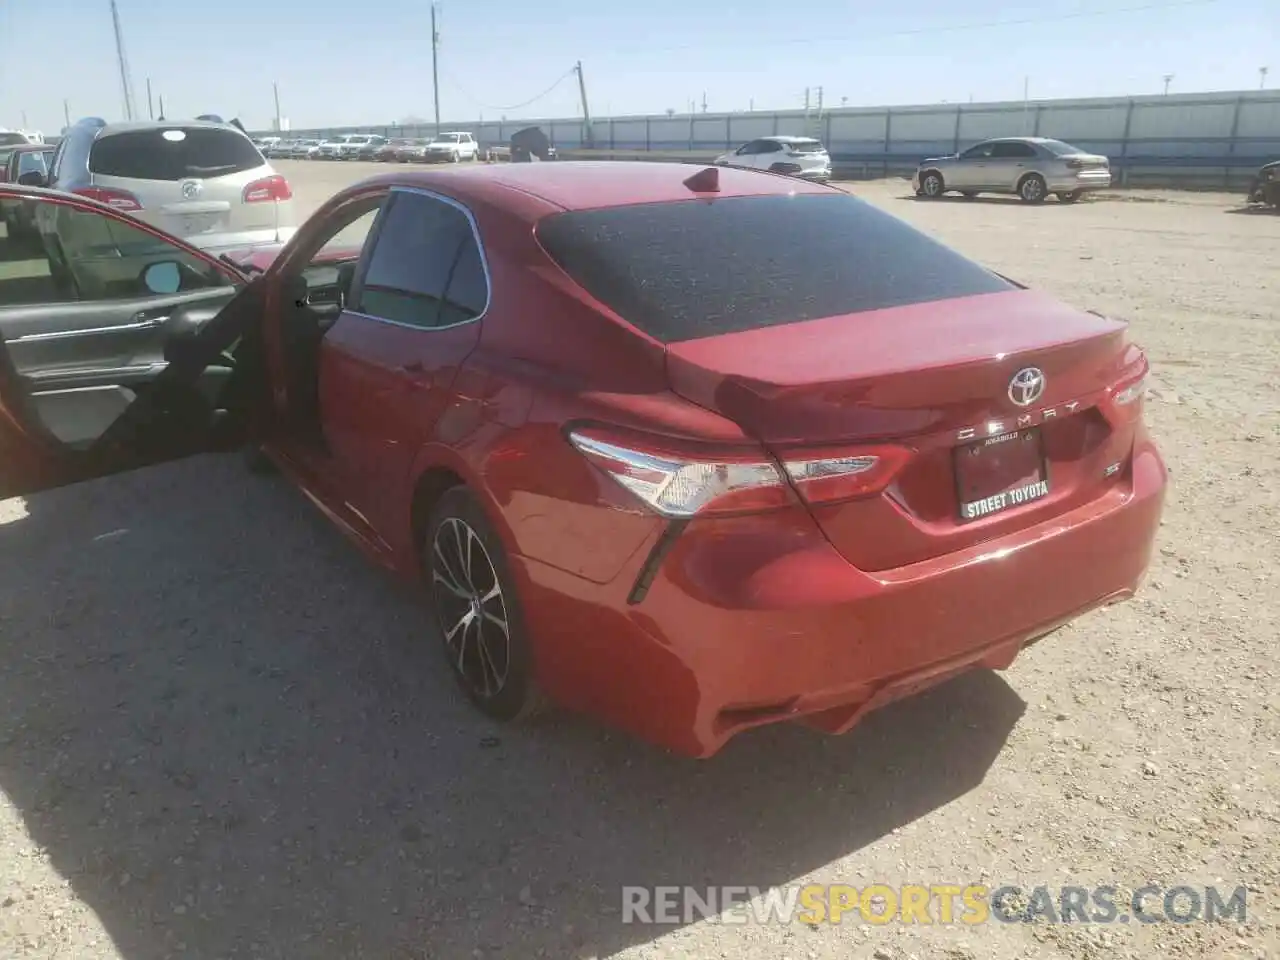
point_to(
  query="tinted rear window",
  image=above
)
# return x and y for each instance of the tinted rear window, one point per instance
(148, 155)
(691, 269)
(805, 146)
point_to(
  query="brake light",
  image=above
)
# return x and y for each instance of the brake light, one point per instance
(844, 474)
(1131, 393)
(121, 200)
(683, 480)
(274, 187)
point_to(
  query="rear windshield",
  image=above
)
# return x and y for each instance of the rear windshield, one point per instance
(1061, 149)
(9, 139)
(685, 270)
(150, 155)
(805, 146)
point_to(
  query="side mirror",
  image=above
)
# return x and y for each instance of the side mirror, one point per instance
(33, 178)
(162, 277)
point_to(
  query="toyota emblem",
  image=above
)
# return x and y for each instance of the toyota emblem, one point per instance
(191, 189)
(1027, 386)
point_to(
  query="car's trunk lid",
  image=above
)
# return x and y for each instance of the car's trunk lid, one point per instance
(934, 378)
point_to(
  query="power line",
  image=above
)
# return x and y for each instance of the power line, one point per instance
(958, 28)
(488, 106)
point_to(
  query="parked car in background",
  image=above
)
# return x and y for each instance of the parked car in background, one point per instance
(331, 149)
(724, 483)
(281, 149)
(10, 138)
(205, 182)
(305, 149)
(387, 153)
(23, 163)
(1265, 188)
(1032, 168)
(368, 149)
(265, 144)
(412, 151)
(802, 157)
(354, 147)
(452, 147)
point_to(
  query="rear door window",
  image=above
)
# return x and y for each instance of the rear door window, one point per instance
(173, 153)
(426, 268)
(690, 269)
(1012, 150)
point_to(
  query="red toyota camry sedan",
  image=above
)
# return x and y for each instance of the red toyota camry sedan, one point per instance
(689, 449)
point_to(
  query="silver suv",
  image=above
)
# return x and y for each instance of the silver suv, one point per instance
(204, 182)
(1029, 167)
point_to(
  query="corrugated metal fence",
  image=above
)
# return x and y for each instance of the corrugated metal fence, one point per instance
(1210, 139)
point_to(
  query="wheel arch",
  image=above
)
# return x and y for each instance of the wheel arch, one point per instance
(438, 469)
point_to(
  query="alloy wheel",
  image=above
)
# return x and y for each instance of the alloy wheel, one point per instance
(470, 607)
(932, 185)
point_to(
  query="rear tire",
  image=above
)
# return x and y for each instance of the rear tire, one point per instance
(1032, 188)
(481, 623)
(932, 185)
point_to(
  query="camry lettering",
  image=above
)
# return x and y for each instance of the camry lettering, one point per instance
(996, 427)
(1010, 498)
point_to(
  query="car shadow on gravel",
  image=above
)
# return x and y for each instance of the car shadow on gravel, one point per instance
(233, 736)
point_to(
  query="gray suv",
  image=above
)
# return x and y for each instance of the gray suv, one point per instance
(202, 181)
(1028, 167)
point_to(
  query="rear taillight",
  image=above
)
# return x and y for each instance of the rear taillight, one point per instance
(274, 187)
(1131, 392)
(830, 476)
(678, 479)
(1075, 164)
(121, 200)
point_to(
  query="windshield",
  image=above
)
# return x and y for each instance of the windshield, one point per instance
(172, 153)
(1058, 148)
(664, 267)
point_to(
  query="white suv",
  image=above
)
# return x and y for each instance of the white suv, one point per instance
(453, 146)
(802, 157)
(203, 182)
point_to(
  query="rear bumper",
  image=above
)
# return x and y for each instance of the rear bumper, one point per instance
(1082, 183)
(221, 242)
(759, 621)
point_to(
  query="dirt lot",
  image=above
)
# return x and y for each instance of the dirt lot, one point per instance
(223, 735)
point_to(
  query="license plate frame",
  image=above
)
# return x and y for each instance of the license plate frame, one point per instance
(1020, 491)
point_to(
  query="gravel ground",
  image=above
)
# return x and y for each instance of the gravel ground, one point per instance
(224, 735)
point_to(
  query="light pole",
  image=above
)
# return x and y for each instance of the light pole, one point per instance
(1262, 77)
(1168, 78)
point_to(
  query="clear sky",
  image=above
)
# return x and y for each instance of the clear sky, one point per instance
(339, 62)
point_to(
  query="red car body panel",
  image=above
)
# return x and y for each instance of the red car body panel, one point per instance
(815, 612)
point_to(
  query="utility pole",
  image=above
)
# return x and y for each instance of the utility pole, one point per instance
(151, 114)
(806, 109)
(126, 87)
(66, 111)
(590, 138)
(704, 101)
(1262, 77)
(1168, 77)
(275, 90)
(1026, 103)
(435, 67)
(751, 105)
(24, 119)
(160, 97)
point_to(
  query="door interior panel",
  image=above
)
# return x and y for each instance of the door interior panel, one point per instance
(84, 363)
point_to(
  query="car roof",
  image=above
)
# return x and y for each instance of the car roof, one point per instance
(789, 139)
(589, 184)
(129, 126)
(28, 147)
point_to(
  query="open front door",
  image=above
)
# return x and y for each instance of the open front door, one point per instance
(119, 345)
